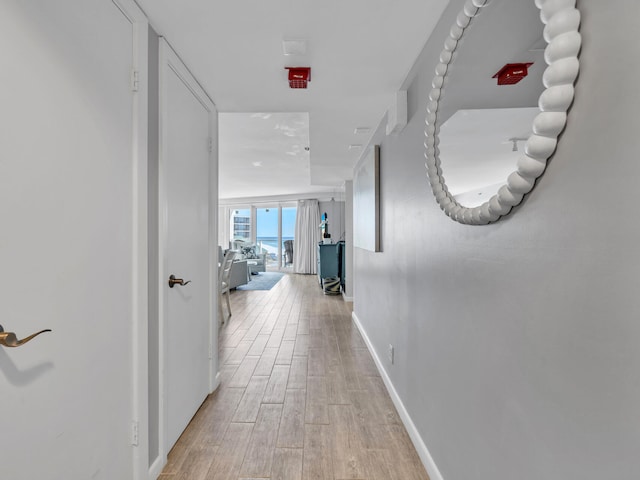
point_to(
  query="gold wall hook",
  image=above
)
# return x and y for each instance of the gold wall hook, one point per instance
(9, 339)
(177, 281)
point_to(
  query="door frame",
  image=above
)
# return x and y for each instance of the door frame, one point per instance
(139, 262)
(170, 60)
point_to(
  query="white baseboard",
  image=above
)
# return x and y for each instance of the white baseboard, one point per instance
(216, 383)
(346, 299)
(156, 468)
(418, 443)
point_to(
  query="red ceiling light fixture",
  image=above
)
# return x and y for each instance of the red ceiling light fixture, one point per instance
(512, 73)
(299, 76)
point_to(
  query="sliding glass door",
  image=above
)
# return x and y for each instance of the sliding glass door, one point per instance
(275, 232)
(267, 232)
(272, 228)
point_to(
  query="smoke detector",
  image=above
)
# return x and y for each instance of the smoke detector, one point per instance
(299, 76)
(512, 73)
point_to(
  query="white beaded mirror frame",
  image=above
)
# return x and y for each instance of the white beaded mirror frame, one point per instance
(562, 20)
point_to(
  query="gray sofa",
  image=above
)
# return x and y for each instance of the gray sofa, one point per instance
(256, 257)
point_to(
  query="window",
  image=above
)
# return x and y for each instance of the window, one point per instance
(241, 224)
(267, 233)
(269, 228)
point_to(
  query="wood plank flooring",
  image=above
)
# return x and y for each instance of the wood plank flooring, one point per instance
(300, 398)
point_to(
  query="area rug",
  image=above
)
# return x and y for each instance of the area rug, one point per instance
(262, 281)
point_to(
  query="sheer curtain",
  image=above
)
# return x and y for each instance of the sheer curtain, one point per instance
(307, 237)
(224, 226)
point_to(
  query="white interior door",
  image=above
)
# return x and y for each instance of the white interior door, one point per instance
(68, 246)
(186, 121)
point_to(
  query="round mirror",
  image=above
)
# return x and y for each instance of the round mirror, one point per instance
(499, 101)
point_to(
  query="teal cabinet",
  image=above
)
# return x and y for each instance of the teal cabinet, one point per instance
(343, 262)
(328, 261)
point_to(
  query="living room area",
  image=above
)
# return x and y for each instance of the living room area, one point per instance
(266, 234)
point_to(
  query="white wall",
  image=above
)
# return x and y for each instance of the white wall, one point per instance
(348, 215)
(516, 344)
(335, 212)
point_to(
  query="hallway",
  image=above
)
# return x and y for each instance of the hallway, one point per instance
(300, 398)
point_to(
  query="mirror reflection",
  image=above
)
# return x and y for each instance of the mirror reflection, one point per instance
(483, 126)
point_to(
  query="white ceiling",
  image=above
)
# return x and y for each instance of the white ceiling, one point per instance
(505, 31)
(483, 160)
(359, 51)
(264, 154)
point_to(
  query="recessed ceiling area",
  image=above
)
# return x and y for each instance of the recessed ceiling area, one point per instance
(360, 52)
(264, 155)
(477, 150)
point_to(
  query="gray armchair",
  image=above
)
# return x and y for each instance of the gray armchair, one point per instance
(239, 272)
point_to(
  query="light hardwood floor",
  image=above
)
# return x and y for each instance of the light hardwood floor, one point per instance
(300, 398)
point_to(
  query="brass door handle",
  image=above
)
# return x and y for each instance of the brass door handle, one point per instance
(9, 339)
(177, 281)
